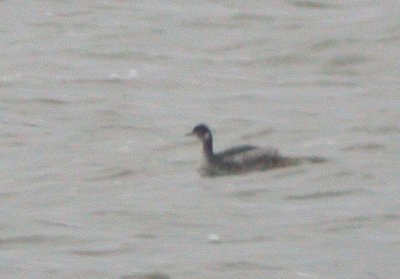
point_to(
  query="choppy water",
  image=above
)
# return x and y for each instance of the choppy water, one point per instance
(98, 181)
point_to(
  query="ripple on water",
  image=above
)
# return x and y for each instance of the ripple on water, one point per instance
(245, 265)
(152, 275)
(113, 174)
(36, 239)
(372, 146)
(145, 236)
(357, 222)
(381, 130)
(112, 213)
(315, 5)
(250, 194)
(346, 224)
(101, 252)
(258, 134)
(50, 101)
(251, 17)
(217, 239)
(325, 194)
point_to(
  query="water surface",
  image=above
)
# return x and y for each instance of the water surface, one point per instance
(98, 181)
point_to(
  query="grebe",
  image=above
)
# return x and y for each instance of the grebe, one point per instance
(241, 159)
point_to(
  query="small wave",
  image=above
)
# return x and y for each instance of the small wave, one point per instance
(112, 174)
(252, 193)
(357, 222)
(315, 5)
(367, 146)
(49, 101)
(127, 75)
(99, 252)
(56, 224)
(262, 133)
(323, 195)
(145, 236)
(112, 213)
(241, 265)
(217, 239)
(29, 239)
(385, 130)
(252, 17)
(154, 275)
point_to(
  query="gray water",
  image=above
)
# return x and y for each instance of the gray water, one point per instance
(98, 181)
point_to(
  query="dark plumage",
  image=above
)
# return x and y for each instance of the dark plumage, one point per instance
(240, 159)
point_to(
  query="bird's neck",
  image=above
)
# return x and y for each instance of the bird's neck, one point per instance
(208, 148)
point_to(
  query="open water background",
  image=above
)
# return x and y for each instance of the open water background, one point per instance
(98, 181)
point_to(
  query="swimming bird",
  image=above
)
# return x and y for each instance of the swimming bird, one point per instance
(241, 159)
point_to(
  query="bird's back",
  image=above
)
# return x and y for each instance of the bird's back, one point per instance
(241, 159)
(236, 151)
